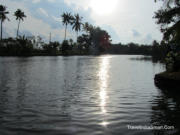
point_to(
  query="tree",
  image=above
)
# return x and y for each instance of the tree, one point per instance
(65, 47)
(84, 42)
(51, 48)
(88, 28)
(66, 19)
(3, 16)
(19, 16)
(169, 19)
(77, 23)
(100, 39)
(71, 41)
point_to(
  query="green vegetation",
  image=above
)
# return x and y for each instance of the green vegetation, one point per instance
(77, 23)
(3, 16)
(156, 50)
(66, 19)
(19, 16)
(168, 18)
(94, 40)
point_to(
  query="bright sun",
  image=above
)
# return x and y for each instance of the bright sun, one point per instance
(103, 7)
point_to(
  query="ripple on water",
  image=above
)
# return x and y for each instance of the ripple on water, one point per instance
(80, 95)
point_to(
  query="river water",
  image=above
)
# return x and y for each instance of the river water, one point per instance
(108, 95)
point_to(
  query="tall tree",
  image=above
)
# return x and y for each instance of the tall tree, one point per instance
(77, 23)
(169, 19)
(66, 19)
(87, 27)
(3, 16)
(19, 16)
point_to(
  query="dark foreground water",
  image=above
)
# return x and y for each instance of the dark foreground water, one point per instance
(81, 95)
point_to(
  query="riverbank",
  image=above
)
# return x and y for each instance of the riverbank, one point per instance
(168, 79)
(43, 54)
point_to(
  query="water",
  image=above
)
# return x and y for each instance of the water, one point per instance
(83, 95)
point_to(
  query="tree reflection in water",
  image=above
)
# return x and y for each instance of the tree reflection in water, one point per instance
(166, 111)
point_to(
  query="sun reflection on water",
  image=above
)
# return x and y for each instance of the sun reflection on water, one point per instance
(103, 80)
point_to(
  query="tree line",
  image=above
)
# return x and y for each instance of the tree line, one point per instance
(157, 50)
(94, 40)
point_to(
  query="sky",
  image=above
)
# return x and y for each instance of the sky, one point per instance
(125, 20)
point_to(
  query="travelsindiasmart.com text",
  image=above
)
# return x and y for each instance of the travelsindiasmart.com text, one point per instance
(151, 127)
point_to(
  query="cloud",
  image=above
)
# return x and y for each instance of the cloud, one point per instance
(31, 24)
(41, 10)
(78, 4)
(51, 1)
(148, 38)
(129, 21)
(36, 1)
(127, 16)
(135, 33)
(58, 19)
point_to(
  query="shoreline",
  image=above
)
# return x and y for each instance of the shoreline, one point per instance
(32, 55)
(168, 80)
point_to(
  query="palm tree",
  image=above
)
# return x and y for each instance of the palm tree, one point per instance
(66, 19)
(88, 28)
(19, 16)
(3, 16)
(77, 23)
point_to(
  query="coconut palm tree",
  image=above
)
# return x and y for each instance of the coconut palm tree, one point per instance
(66, 19)
(3, 16)
(77, 23)
(19, 16)
(88, 28)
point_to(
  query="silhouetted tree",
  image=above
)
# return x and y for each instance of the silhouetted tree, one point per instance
(84, 42)
(87, 27)
(65, 47)
(100, 39)
(168, 18)
(51, 48)
(3, 16)
(19, 16)
(71, 41)
(77, 23)
(66, 19)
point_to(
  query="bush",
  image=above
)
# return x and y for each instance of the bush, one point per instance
(51, 48)
(173, 61)
(65, 47)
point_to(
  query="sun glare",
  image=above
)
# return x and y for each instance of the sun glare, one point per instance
(103, 83)
(103, 76)
(103, 7)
